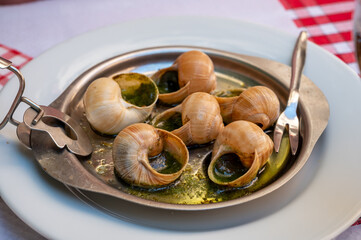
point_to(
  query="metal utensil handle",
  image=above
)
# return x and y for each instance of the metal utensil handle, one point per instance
(6, 64)
(298, 62)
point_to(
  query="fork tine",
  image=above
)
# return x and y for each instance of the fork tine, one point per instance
(277, 135)
(293, 135)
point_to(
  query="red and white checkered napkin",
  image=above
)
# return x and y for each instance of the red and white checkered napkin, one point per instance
(17, 58)
(329, 24)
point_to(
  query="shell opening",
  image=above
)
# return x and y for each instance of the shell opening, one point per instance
(165, 163)
(233, 92)
(169, 123)
(137, 89)
(168, 82)
(228, 167)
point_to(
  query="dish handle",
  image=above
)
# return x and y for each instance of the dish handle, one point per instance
(45, 119)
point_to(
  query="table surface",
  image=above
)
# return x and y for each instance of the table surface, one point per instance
(34, 27)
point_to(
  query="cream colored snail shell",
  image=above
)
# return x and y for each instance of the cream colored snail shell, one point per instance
(258, 104)
(195, 74)
(135, 144)
(105, 107)
(249, 143)
(201, 119)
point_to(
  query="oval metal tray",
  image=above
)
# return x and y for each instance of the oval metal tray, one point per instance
(85, 176)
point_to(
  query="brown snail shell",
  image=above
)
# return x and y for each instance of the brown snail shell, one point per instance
(201, 119)
(258, 104)
(195, 74)
(108, 111)
(249, 143)
(133, 147)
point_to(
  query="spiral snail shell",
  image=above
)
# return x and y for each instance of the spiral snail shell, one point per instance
(113, 103)
(257, 104)
(250, 147)
(200, 119)
(136, 144)
(192, 71)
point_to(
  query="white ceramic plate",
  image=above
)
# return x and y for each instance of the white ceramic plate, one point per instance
(321, 201)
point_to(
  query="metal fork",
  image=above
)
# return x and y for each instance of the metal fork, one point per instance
(289, 116)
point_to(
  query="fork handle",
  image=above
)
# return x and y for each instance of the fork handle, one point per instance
(298, 61)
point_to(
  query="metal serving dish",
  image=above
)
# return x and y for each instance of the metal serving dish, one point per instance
(94, 174)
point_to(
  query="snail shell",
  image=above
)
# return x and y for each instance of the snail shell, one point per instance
(135, 144)
(201, 119)
(258, 104)
(249, 143)
(195, 74)
(108, 110)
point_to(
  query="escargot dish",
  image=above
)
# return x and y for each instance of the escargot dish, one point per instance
(113, 103)
(196, 121)
(145, 156)
(258, 104)
(239, 152)
(200, 150)
(192, 71)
